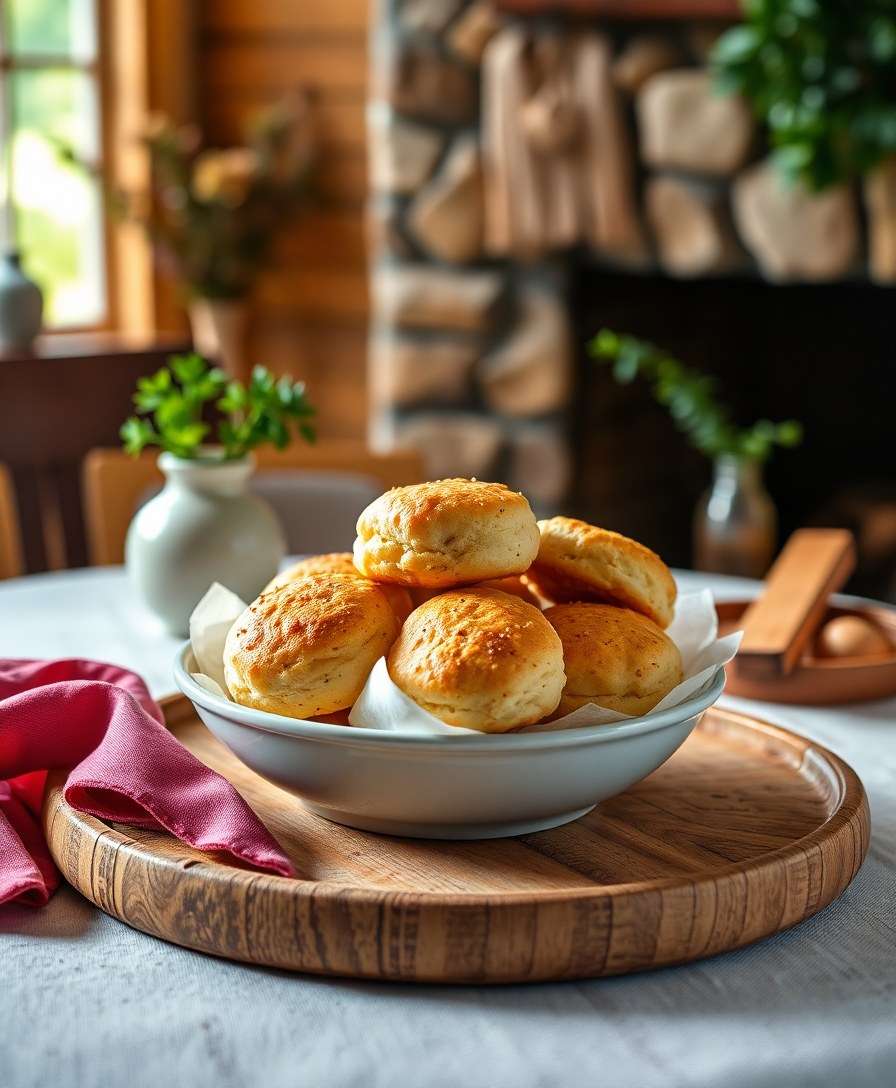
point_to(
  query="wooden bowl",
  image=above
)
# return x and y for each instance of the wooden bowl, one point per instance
(820, 681)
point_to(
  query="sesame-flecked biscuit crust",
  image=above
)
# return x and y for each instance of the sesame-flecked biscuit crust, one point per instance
(308, 647)
(614, 657)
(479, 658)
(340, 563)
(446, 533)
(580, 562)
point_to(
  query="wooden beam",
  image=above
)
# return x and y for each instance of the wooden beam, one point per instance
(284, 16)
(627, 9)
(149, 60)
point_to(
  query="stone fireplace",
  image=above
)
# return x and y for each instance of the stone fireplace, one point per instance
(539, 169)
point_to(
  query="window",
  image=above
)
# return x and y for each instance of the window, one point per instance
(50, 96)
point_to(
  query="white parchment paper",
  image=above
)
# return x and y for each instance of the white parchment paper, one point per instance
(210, 622)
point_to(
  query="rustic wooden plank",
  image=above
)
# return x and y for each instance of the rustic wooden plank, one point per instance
(628, 9)
(275, 64)
(329, 357)
(338, 118)
(306, 17)
(315, 292)
(342, 180)
(551, 905)
(329, 238)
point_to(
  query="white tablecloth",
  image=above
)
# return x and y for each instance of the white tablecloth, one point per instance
(86, 1001)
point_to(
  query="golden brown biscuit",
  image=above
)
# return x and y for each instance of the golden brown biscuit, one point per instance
(513, 583)
(341, 563)
(329, 563)
(479, 658)
(308, 647)
(614, 657)
(446, 533)
(579, 562)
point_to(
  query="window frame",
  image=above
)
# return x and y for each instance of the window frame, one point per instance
(96, 69)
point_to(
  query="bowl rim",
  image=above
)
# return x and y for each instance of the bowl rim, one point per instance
(299, 728)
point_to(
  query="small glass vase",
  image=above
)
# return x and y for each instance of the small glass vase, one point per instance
(735, 523)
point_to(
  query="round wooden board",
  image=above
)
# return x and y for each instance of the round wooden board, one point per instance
(745, 831)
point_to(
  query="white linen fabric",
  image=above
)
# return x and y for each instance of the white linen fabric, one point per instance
(88, 1002)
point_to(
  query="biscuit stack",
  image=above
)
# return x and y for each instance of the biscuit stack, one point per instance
(447, 581)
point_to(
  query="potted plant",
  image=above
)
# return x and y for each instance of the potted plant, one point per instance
(213, 215)
(204, 525)
(820, 76)
(735, 523)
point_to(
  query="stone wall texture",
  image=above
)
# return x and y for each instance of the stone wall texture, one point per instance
(471, 354)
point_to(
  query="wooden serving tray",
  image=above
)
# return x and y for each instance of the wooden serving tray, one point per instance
(818, 681)
(745, 831)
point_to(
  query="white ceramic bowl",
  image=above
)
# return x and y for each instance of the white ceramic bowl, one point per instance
(464, 787)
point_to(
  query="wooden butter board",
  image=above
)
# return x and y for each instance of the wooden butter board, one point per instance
(747, 830)
(819, 681)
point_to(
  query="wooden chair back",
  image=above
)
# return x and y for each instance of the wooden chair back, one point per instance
(55, 406)
(113, 483)
(11, 562)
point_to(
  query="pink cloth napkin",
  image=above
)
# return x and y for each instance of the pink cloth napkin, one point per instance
(100, 723)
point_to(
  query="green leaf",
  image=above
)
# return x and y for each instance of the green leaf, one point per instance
(136, 435)
(735, 46)
(262, 380)
(176, 396)
(789, 433)
(189, 436)
(188, 368)
(605, 345)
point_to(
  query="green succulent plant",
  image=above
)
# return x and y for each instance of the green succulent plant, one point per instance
(691, 399)
(172, 408)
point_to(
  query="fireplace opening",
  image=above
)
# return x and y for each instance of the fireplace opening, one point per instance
(819, 353)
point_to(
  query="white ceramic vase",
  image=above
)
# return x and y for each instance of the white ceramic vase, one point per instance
(203, 527)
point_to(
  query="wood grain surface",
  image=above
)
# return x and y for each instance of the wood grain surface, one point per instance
(310, 306)
(745, 831)
(780, 623)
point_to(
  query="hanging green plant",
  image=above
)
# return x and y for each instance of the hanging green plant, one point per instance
(821, 75)
(691, 399)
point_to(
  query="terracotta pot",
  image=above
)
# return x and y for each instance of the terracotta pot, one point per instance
(219, 329)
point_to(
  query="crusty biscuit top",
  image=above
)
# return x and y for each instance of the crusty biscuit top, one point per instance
(323, 616)
(479, 657)
(329, 563)
(578, 561)
(614, 651)
(446, 532)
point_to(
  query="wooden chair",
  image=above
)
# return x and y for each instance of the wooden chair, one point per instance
(114, 483)
(55, 406)
(11, 563)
